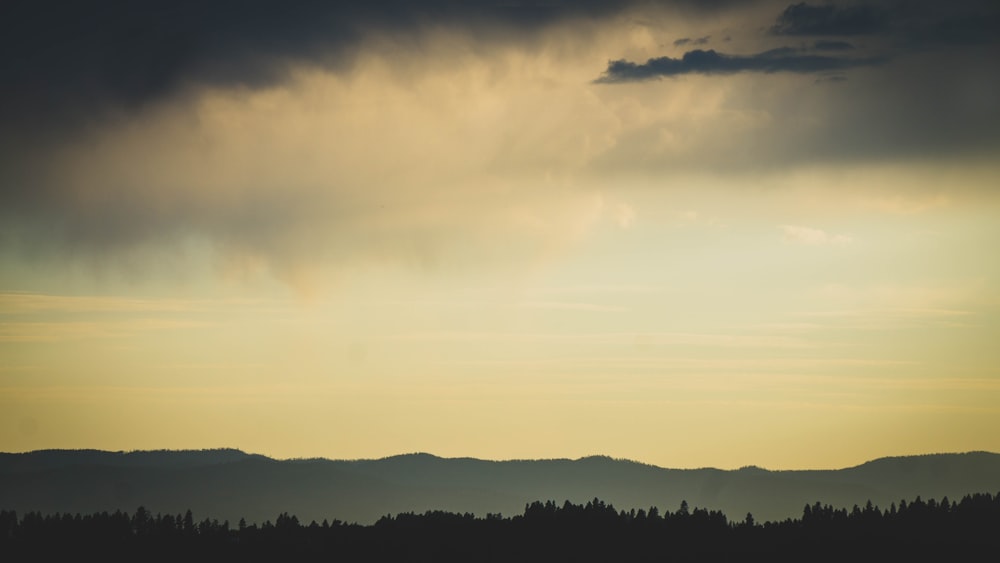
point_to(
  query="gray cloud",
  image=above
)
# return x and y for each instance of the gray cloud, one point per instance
(929, 98)
(699, 61)
(894, 113)
(827, 45)
(831, 78)
(952, 25)
(909, 24)
(830, 19)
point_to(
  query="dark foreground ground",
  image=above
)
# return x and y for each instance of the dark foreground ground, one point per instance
(941, 530)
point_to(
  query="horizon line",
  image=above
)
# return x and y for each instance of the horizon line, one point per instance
(504, 460)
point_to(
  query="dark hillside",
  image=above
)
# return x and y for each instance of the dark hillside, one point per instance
(229, 484)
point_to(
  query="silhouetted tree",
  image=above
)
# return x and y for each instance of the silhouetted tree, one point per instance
(919, 530)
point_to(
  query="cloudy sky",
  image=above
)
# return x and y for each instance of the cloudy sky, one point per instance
(688, 233)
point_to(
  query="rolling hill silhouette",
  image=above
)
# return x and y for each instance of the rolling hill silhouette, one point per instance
(230, 484)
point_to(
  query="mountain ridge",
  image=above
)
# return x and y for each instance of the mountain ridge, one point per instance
(227, 483)
(428, 455)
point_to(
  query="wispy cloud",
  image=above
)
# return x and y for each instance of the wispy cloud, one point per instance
(957, 298)
(692, 41)
(641, 339)
(891, 318)
(27, 303)
(597, 289)
(816, 237)
(723, 367)
(58, 331)
(571, 306)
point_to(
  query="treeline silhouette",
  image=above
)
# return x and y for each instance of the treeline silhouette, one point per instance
(917, 531)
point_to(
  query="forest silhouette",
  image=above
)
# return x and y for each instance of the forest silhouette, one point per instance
(915, 530)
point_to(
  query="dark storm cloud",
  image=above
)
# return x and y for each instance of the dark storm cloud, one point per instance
(830, 19)
(62, 60)
(784, 59)
(68, 67)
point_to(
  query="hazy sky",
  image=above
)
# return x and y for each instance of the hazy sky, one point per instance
(688, 233)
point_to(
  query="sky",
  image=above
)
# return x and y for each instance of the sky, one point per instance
(685, 233)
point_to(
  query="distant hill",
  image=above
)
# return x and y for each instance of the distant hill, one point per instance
(230, 484)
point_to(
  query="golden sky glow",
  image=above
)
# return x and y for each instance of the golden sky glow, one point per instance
(467, 244)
